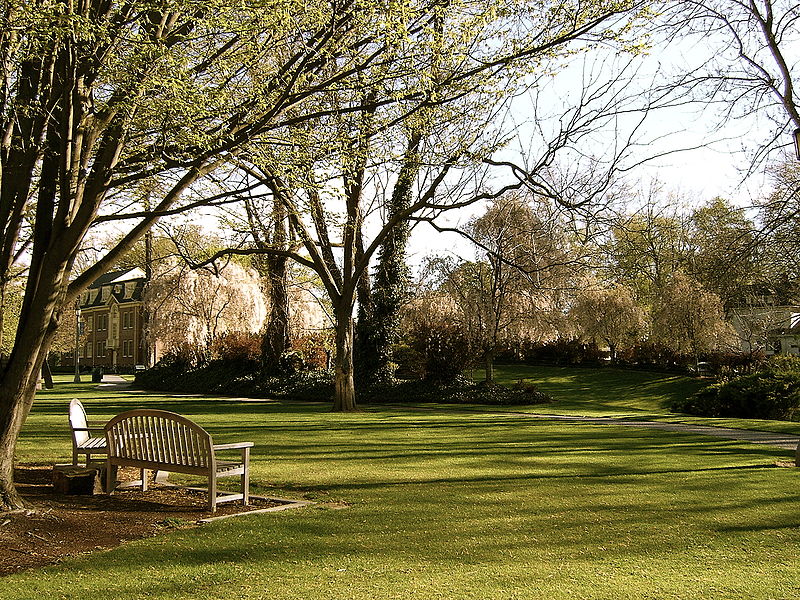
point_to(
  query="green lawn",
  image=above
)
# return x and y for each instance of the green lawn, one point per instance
(603, 391)
(623, 394)
(447, 504)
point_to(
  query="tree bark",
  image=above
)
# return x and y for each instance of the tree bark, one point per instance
(489, 366)
(276, 338)
(23, 368)
(47, 374)
(345, 395)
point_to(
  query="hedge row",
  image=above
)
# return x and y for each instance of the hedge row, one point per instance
(242, 379)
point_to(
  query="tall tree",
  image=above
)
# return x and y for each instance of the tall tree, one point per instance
(688, 318)
(646, 248)
(611, 316)
(724, 253)
(195, 308)
(515, 291)
(779, 238)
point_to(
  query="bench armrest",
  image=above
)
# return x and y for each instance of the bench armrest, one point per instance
(87, 429)
(233, 446)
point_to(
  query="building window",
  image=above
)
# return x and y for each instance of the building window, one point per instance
(127, 320)
(101, 349)
(88, 349)
(89, 323)
(127, 348)
(102, 322)
(106, 293)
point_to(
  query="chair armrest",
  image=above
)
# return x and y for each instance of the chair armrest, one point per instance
(233, 446)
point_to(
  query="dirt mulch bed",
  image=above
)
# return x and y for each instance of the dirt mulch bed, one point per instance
(57, 526)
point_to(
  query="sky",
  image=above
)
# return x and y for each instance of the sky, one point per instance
(702, 157)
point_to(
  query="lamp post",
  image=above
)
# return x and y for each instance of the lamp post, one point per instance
(77, 341)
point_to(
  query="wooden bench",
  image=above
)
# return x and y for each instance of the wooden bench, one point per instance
(164, 441)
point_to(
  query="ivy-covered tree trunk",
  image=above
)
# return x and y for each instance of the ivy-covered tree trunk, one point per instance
(272, 233)
(366, 361)
(379, 323)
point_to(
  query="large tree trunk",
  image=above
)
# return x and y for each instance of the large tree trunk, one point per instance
(17, 391)
(276, 338)
(344, 399)
(15, 404)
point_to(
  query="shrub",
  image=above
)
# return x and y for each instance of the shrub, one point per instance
(220, 377)
(651, 354)
(765, 395)
(291, 363)
(237, 346)
(535, 395)
(728, 364)
(457, 391)
(782, 363)
(557, 352)
(315, 350)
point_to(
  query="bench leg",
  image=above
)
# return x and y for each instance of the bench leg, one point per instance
(246, 476)
(111, 477)
(212, 492)
(143, 475)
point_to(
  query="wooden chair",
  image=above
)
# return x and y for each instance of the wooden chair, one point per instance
(83, 442)
(164, 441)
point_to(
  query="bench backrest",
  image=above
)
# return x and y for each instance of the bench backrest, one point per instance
(159, 436)
(77, 421)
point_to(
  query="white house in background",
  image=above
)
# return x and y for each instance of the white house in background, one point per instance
(771, 329)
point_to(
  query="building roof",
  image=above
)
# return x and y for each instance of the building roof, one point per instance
(123, 286)
(133, 274)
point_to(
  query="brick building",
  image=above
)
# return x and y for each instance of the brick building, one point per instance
(112, 312)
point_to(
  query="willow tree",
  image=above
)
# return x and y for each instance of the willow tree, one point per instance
(514, 291)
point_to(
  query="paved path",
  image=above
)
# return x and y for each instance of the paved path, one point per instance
(778, 440)
(114, 381)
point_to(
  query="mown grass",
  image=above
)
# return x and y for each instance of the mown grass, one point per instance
(448, 504)
(622, 393)
(602, 391)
